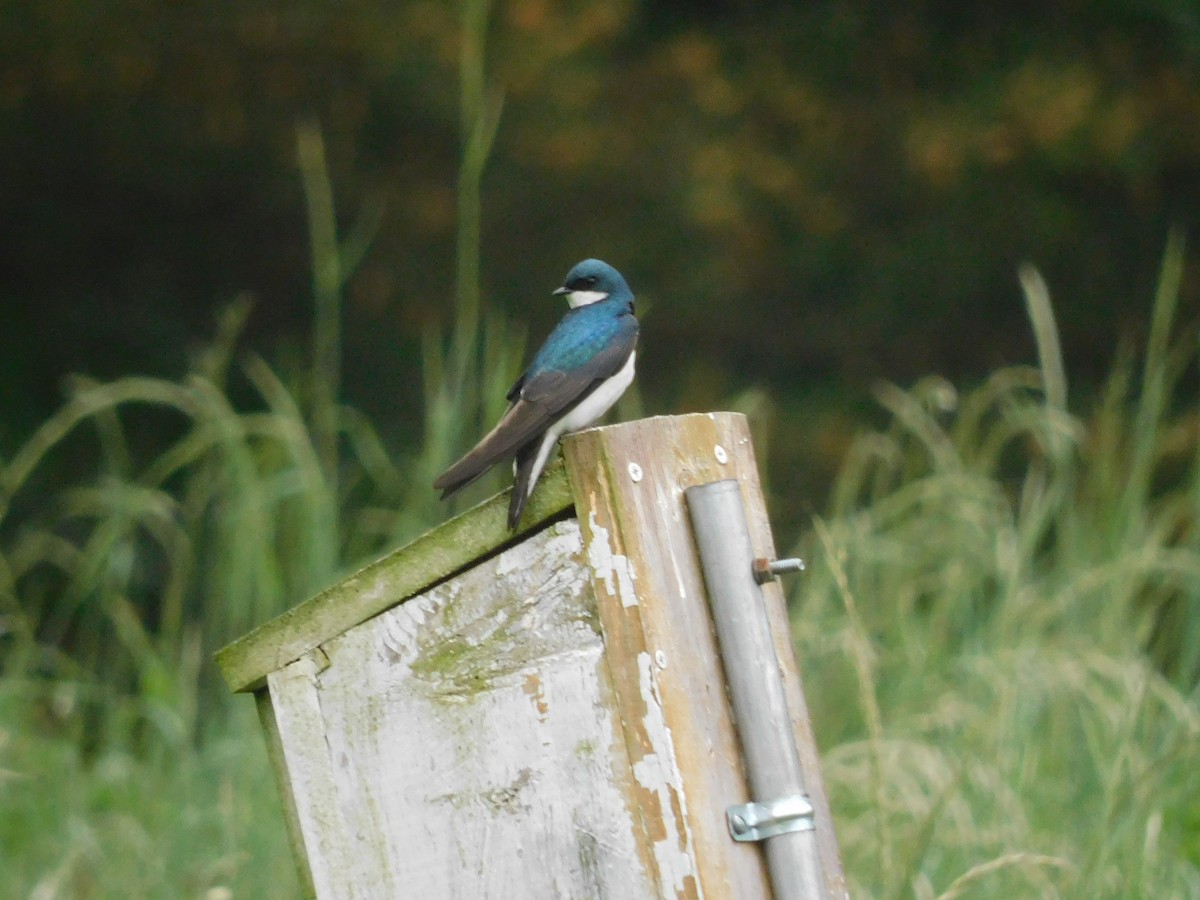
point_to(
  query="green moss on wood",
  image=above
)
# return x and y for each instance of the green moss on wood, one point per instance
(466, 647)
(437, 554)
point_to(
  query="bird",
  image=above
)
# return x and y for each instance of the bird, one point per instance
(576, 376)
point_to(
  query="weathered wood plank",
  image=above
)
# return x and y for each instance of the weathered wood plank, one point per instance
(551, 721)
(464, 744)
(328, 842)
(628, 482)
(291, 818)
(461, 541)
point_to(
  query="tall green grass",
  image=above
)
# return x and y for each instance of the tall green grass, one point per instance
(125, 767)
(998, 630)
(181, 821)
(1000, 627)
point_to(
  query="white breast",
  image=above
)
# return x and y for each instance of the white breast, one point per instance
(596, 404)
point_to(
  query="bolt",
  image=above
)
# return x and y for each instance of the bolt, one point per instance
(768, 569)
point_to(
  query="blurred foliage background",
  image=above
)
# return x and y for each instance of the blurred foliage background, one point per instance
(808, 196)
(268, 269)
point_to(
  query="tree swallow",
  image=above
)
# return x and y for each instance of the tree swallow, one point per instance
(575, 378)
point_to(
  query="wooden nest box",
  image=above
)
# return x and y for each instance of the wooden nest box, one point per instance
(482, 714)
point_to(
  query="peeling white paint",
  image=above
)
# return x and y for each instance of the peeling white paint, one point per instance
(611, 568)
(399, 633)
(658, 773)
(566, 543)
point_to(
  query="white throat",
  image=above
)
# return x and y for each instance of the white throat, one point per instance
(583, 298)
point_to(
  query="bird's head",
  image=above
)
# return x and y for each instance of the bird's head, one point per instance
(590, 281)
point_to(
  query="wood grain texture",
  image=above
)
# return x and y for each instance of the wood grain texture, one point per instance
(628, 481)
(459, 542)
(328, 842)
(463, 744)
(291, 818)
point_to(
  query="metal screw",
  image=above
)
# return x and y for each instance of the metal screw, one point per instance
(635, 472)
(720, 454)
(738, 825)
(769, 569)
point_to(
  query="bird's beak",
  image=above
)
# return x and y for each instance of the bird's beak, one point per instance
(558, 292)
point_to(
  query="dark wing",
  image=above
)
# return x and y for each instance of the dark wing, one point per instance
(524, 472)
(538, 401)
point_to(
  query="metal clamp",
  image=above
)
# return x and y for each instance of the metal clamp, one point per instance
(759, 821)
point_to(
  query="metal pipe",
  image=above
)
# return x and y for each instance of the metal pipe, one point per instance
(756, 691)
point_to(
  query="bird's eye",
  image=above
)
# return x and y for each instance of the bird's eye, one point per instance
(590, 281)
